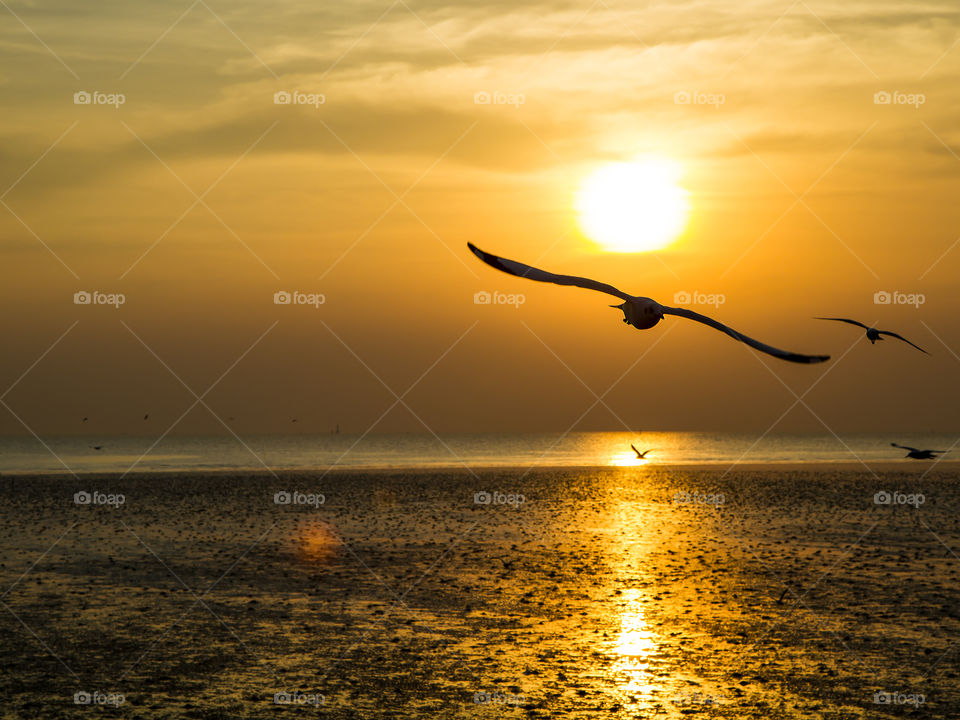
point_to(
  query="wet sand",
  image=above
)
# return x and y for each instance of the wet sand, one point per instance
(616, 592)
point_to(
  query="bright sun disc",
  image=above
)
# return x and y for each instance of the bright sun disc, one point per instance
(633, 207)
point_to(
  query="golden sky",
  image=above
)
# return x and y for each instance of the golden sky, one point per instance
(198, 197)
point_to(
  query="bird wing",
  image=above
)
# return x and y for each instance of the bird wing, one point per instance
(901, 337)
(762, 347)
(905, 447)
(531, 273)
(635, 450)
(846, 320)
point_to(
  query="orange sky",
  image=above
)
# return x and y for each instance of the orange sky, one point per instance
(370, 197)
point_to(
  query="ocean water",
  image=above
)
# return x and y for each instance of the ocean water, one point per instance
(321, 452)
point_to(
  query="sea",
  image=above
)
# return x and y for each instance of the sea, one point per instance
(125, 454)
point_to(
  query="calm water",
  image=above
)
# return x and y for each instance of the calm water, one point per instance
(306, 452)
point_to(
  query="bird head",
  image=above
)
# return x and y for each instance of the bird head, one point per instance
(641, 315)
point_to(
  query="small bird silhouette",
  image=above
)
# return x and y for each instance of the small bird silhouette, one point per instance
(873, 334)
(640, 312)
(640, 455)
(84, 420)
(916, 454)
(97, 447)
(147, 416)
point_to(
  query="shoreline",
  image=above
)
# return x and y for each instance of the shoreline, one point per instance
(847, 467)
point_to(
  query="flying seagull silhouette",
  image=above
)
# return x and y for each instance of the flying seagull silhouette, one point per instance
(640, 455)
(919, 454)
(641, 312)
(873, 334)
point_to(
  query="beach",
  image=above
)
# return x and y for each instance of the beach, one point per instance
(650, 591)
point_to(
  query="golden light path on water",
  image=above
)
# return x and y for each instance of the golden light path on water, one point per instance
(634, 644)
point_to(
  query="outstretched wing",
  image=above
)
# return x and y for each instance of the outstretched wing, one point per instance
(639, 455)
(846, 320)
(905, 447)
(762, 347)
(531, 273)
(901, 337)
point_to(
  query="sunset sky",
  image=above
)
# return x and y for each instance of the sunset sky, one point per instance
(199, 197)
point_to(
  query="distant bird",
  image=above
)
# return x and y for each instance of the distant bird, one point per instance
(873, 334)
(97, 447)
(147, 416)
(915, 454)
(84, 420)
(641, 312)
(293, 420)
(782, 596)
(640, 455)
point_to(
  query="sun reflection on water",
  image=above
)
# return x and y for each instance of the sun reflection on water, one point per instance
(635, 644)
(627, 459)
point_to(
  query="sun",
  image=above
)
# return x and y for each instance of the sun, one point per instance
(633, 206)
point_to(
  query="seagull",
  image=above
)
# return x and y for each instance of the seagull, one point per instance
(641, 312)
(915, 454)
(640, 455)
(873, 334)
